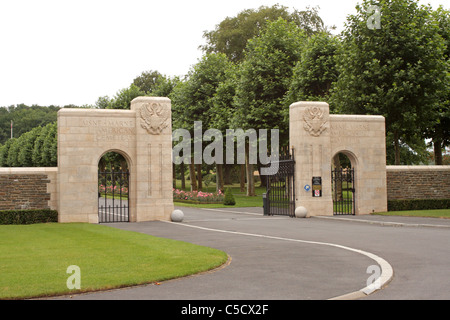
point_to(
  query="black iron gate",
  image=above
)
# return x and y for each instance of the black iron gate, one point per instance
(280, 188)
(113, 192)
(343, 187)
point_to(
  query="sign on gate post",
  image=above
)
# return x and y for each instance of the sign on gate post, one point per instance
(317, 187)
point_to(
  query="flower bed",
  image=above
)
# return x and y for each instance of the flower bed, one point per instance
(110, 190)
(197, 196)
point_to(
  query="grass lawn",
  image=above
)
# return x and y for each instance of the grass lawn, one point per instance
(34, 258)
(440, 213)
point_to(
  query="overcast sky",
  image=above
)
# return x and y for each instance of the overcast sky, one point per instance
(64, 52)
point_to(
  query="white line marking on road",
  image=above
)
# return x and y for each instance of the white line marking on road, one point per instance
(387, 271)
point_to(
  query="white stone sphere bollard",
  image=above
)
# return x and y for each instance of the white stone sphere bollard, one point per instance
(301, 212)
(177, 215)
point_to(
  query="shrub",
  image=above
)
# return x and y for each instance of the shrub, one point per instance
(229, 198)
(418, 204)
(28, 216)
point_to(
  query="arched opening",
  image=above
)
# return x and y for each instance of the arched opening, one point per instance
(113, 188)
(343, 184)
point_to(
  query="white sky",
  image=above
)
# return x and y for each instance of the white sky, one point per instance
(74, 51)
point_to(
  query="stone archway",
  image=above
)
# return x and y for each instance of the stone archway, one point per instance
(143, 135)
(316, 136)
(343, 187)
(114, 189)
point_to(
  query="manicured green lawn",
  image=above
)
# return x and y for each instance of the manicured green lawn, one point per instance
(34, 258)
(441, 213)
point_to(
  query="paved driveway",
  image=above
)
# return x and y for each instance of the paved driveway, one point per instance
(281, 258)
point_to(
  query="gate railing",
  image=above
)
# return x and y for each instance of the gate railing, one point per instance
(280, 188)
(113, 192)
(343, 182)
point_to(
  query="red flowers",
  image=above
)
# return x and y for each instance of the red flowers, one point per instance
(198, 196)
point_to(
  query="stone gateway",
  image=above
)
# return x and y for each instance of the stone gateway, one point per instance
(142, 135)
(316, 137)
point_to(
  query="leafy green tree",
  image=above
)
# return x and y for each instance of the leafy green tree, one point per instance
(49, 153)
(439, 128)
(165, 87)
(123, 98)
(13, 152)
(45, 157)
(36, 148)
(231, 36)
(396, 71)
(263, 81)
(103, 102)
(24, 119)
(316, 71)
(26, 142)
(265, 75)
(192, 99)
(5, 121)
(4, 151)
(148, 81)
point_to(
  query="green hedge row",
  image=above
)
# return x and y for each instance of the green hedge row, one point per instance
(418, 204)
(28, 216)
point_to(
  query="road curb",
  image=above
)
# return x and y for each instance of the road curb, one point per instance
(384, 223)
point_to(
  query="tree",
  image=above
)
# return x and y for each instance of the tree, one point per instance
(148, 81)
(193, 98)
(103, 102)
(165, 86)
(26, 142)
(439, 128)
(263, 81)
(45, 147)
(123, 98)
(24, 119)
(396, 71)
(4, 152)
(13, 152)
(316, 71)
(231, 36)
(265, 75)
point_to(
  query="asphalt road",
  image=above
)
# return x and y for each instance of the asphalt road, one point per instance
(281, 258)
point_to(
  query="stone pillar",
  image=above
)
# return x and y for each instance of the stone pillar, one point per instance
(154, 199)
(310, 138)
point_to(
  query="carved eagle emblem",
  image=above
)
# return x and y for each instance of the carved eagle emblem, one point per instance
(314, 122)
(154, 117)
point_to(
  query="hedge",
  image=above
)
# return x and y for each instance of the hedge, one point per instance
(418, 204)
(28, 216)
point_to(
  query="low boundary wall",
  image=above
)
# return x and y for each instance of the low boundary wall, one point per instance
(28, 188)
(418, 182)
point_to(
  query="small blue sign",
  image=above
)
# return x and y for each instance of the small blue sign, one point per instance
(307, 187)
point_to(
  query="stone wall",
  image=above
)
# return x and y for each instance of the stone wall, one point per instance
(28, 188)
(418, 182)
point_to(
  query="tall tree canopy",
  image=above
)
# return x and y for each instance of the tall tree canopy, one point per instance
(24, 119)
(439, 128)
(233, 33)
(316, 71)
(396, 71)
(265, 75)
